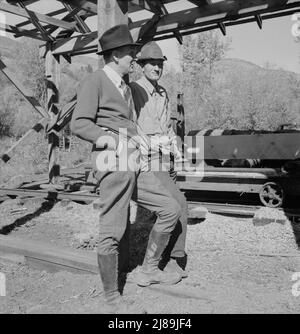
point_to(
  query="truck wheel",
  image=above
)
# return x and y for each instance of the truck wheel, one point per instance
(271, 195)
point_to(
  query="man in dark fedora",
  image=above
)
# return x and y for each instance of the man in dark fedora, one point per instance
(154, 118)
(104, 116)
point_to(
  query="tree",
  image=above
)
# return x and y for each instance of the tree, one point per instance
(31, 68)
(251, 98)
(199, 56)
(8, 101)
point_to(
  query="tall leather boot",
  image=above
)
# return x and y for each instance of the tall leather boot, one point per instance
(116, 304)
(149, 272)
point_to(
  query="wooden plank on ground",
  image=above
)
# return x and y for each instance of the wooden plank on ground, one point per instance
(50, 256)
(197, 212)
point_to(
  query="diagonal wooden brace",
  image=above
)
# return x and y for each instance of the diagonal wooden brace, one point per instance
(35, 129)
(27, 94)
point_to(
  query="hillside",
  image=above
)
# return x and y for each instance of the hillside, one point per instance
(7, 46)
(241, 65)
(237, 64)
(241, 95)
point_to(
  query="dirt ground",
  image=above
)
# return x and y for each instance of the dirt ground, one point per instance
(234, 266)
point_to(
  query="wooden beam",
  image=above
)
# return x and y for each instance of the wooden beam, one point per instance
(41, 17)
(137, 5)
(83, 27)
(179, 37)
(20, 32)
(217, 12)
(157, 7)
(111, 13)
(27, 94)
(258, 20)
(87, 5)
(63, 117)
(6, 156)
(205, 18)
(57, 12)
(53, 81)
(68, 18)
(222, 28)
(275, 146)
(26, 2)
(227, 24)
(200, 3)
(220, 186)
(36, 23)
(88, 43)
(51, 257)
(78, 43)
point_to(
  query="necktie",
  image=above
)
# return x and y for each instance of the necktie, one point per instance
(128, 98)
(143, 140)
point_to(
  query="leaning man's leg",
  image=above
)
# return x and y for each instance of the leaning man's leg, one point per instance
(152, 195)
(175, 257)
(116, 190)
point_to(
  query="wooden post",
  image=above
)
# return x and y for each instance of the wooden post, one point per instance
(180, 126)
(111, 13)
(53, 79)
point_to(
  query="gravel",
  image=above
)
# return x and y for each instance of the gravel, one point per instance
(234, 266)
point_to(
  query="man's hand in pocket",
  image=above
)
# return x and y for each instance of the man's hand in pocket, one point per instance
(108, 141)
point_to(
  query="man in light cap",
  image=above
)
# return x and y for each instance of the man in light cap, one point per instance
(154, 118)
(104, 110)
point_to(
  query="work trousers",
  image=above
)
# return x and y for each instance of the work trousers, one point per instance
(176, 246)
(150, 190)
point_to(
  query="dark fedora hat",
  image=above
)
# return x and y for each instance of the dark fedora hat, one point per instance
(116, 37)
(149, 51)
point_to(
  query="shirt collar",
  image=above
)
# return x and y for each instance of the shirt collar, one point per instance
(148, 85)
(113, 76)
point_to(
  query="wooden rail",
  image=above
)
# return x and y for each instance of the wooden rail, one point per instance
(50, 257)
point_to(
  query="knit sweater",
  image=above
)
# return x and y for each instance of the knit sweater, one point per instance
(100, 105)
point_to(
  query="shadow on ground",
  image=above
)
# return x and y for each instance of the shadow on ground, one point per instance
(45, 207)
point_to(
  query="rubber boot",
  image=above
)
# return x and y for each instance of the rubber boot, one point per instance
(149, 272)
(115, 303)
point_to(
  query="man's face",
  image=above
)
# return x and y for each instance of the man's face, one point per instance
(153, 69)
(125, 56)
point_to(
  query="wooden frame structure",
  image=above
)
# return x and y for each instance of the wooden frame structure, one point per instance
(66, 33)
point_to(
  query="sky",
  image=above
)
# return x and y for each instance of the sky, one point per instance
(274, 44)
